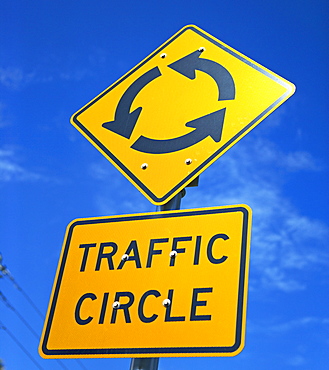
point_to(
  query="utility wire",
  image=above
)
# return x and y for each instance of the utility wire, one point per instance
(5, 272)
(7, 304)
(20, 345)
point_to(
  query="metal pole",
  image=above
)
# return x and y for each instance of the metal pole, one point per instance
(152, 363)
(144, 364)
(173, 204)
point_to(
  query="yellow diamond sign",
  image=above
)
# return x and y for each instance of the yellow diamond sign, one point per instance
(180, 109)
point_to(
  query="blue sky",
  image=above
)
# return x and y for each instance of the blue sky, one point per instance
(55, 56)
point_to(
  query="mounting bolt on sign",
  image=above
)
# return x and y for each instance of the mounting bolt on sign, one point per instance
(181, 108)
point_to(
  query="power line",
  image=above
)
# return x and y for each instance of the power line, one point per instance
(2, 326)
(6, 273)
(11, 307)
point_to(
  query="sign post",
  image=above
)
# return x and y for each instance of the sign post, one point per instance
(144, 364)
(152, 363)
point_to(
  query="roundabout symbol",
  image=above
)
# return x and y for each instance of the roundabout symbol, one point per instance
(208, 125)
(176, 112)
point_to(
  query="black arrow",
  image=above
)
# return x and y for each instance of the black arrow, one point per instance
(125, 121)
(209, 125)
(190, 63)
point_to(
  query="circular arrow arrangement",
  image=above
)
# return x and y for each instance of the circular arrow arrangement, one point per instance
(208, 125)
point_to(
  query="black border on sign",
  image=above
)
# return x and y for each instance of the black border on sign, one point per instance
(189, 177)
(75, 353)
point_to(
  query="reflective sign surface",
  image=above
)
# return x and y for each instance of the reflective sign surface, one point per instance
(151, 285)
(179, 110)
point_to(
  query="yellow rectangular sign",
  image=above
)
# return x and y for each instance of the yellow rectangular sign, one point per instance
(163, 284)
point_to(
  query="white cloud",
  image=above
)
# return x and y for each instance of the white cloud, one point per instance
(280, 330)
(14, 77)
(291, 325)
(296, 361)
(115, 194)
(285, 242)
(10, 170)
(299, 161)
(3, 119)
(264, 152)
(301, 322)
(76, 75)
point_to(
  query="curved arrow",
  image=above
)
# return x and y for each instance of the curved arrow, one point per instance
(209, 125)
(190, 63)
(125, 121)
